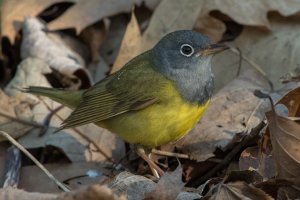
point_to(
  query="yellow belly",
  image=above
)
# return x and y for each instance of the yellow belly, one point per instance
(161, 123)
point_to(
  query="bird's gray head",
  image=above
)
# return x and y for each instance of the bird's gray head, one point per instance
(185, 58)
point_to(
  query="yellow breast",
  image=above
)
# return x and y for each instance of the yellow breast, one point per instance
(166, 121)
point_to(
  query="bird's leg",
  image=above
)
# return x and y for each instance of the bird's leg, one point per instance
(158, 171)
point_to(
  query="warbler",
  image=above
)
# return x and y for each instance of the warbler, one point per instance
(156, 98)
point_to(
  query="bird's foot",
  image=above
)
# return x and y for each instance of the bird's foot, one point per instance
(156, 170)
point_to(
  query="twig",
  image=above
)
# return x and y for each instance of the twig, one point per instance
(255, 131)
(19, 146)
(253, 64)
(12, 167)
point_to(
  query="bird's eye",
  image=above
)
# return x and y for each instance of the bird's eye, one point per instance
(186, 50)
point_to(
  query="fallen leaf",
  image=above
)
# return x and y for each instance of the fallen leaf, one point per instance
(250, 13)
(130, 46)
(30, 72)
(236, 191)
(9, 120)
(34, 179)
(253, 159)
(93, 192)
(274, 186)
(168, 187)
(93, 11)
(99, 70)
(234, 109)
(257, 45)
(13, 13)
(51, 49)
(169, 16)
(87, 143)
(287, 193)
(12, 193)
(291, 101)
(94, 36)
(247, 176)
(285, 138)
(188, 196)
(116, 30)
(133, 186)
(139, 187)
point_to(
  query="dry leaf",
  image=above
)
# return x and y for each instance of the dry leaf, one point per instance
(168, 187)
(12, 194)
(277, 50)
(8, 106)
(116, 30)
(33, 179)
(51, 49)
(253, 159)
(291, 101)
(94, 36)
(130, 46)
(169, 16)
(250, 13)
(188, 196)
(288, 193)
(18, 105)
(93, 192)
(78, 145)
(133, 186)
(285, 138)
(13, 13)
(234, 109)
(93, 11)
(237, 191)
(30, 72)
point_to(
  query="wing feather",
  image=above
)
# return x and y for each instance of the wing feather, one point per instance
(129, 89)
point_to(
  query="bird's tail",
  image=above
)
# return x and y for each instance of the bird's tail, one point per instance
(66, 97)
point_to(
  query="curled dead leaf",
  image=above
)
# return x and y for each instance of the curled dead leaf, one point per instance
(52, 50)
(285, 138)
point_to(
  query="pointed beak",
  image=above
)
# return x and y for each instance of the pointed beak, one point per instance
(212, 49)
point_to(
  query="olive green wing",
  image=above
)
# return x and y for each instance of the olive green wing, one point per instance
(134, 87)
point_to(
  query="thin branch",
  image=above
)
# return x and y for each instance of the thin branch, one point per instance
(253, 64)
(29, 155)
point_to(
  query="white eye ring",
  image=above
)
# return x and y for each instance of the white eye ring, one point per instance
(186, 50)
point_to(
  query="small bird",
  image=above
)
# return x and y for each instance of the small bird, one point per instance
(156, 98)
